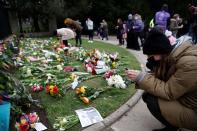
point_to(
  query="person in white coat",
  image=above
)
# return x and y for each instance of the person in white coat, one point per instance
(90, 27)
(65, 34)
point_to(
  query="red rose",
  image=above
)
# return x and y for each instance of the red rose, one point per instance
(55, 90)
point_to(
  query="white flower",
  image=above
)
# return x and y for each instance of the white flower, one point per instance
(59, 67)
(62, 129)
(29, 72)
(116, 81)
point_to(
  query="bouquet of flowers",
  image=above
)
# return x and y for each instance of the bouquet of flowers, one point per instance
(53, 90)
(27, 121)
(64, 123)
(86, 94)
(114, 60)
(37, 88)
(116, 81)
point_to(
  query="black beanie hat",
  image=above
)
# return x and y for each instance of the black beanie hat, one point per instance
(156, 43)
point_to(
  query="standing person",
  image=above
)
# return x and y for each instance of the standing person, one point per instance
(183, 30)
(175, 24)
(120, 30)
(90, 27)
(129, 30)
(171, 87)
(193, 22)
(138, 27)
(162, 18)
(78, 33)
(76, 26)
(105, 29)
(124, 35)
(100, 31)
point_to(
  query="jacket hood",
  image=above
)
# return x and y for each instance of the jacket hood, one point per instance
(184, 47)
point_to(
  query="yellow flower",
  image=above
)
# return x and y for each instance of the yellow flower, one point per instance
(51, 92)
(58, 59)
(114, 65)
(73, 76)
(51, 87)
(82, 89)
(23, 121)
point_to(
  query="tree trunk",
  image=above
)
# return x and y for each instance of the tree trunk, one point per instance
(20, 22)
(35, 22)
(52, 24)
(14, 22)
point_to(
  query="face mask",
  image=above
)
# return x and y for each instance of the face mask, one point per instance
(151, 63)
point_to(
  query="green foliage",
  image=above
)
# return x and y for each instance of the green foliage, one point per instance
(9, 84)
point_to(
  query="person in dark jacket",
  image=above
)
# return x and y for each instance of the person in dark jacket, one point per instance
(129, 31)
(120, 31)
(76, 26)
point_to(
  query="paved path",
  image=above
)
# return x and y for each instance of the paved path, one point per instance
(138, 118)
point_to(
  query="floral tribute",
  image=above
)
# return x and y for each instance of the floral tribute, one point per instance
(97, 62)
(114, 60)
(53, 90)
(37, 88)
(64, 123)
(115, 80)
(27, 121)
(86, 94)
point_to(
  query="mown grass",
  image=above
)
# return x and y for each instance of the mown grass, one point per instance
(106, 103)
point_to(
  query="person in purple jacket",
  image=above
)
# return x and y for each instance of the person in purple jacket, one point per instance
(162, 17)
(138, 27)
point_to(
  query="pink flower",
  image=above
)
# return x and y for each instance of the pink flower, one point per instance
(69, 68)
(108, 74)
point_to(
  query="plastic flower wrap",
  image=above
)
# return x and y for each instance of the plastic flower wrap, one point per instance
(114, 56)
(27, 121)
(97, 54)
(64, 123)
(116, 81)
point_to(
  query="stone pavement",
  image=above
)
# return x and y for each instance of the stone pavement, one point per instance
(133, 115)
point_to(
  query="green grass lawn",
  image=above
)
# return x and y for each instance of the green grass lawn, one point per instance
(106, 103)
